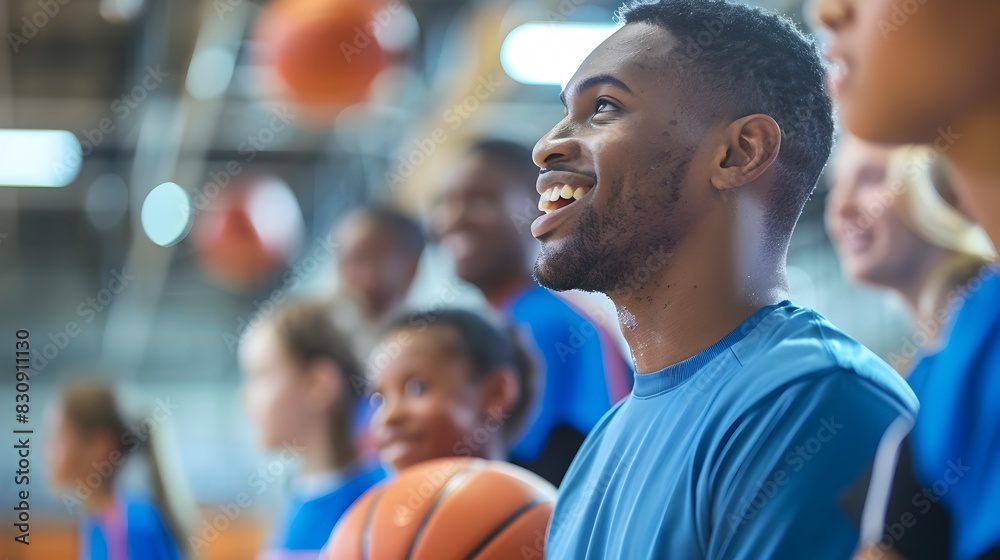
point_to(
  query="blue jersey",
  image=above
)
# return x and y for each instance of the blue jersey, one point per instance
(139, 529)
(306, 522)
(955, 443)
(738, 452)
(581, 374)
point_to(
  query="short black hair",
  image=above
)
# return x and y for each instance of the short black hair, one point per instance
(406, 234)
(742, 60)
(487, 347)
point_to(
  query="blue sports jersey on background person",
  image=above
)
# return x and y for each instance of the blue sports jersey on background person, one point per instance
(147, 537)
(956, 438)
(306, 521)
(581, 375)
(737, 452)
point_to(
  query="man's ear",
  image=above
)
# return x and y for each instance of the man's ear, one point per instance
(749, 146)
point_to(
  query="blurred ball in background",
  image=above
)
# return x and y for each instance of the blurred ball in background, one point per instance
(321, 54)
(249, 232)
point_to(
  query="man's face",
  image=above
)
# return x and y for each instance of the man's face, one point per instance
(481, 217)
(372, 268)
(906, 68)
(629, 144)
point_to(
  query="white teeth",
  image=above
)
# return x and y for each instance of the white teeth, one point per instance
(553, 194)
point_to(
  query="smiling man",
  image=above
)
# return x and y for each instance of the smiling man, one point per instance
(685, 134)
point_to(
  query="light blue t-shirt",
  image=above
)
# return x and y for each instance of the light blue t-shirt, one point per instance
(738, 452)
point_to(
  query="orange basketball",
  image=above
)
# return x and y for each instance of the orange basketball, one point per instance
(320, 52)
(448, 509)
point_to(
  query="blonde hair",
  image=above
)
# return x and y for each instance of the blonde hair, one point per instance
(924, 187)
(923, 183)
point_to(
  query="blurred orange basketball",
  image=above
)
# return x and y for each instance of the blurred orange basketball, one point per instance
(249, 230)
(321, 52)
(448, 509)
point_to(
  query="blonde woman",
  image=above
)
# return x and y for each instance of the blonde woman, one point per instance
(893, 220)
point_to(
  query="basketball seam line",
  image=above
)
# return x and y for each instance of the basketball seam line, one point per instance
(368, 524)
(449, 487)
(502, 526)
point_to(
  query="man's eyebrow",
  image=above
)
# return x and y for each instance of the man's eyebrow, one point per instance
(592, 81)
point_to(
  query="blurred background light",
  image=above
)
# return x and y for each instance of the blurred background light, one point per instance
(166, 214)
(39, 158)
(400, 30)
(549, 53)
(210, 72)
(276, 215)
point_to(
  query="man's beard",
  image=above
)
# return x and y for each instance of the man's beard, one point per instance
(582, 261)
(614, 253)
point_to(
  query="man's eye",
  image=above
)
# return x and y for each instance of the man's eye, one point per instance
(415, 388)
(603, 106)
(376, 400)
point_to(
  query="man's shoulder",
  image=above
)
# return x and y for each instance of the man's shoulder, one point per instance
(796, 346)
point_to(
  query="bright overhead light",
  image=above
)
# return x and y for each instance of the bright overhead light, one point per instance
(166, 214)
(549, 53)
(39, 158)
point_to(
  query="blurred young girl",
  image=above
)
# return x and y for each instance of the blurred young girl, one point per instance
(301, 383)
(892, 217)
(89, 443)
(449, 384)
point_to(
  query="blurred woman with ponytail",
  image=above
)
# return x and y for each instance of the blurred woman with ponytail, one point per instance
(301, 384)
(90, 441)
(895, 222)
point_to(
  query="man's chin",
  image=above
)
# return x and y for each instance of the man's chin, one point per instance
(556, 272)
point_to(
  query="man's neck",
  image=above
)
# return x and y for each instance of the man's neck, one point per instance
(694, 301)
